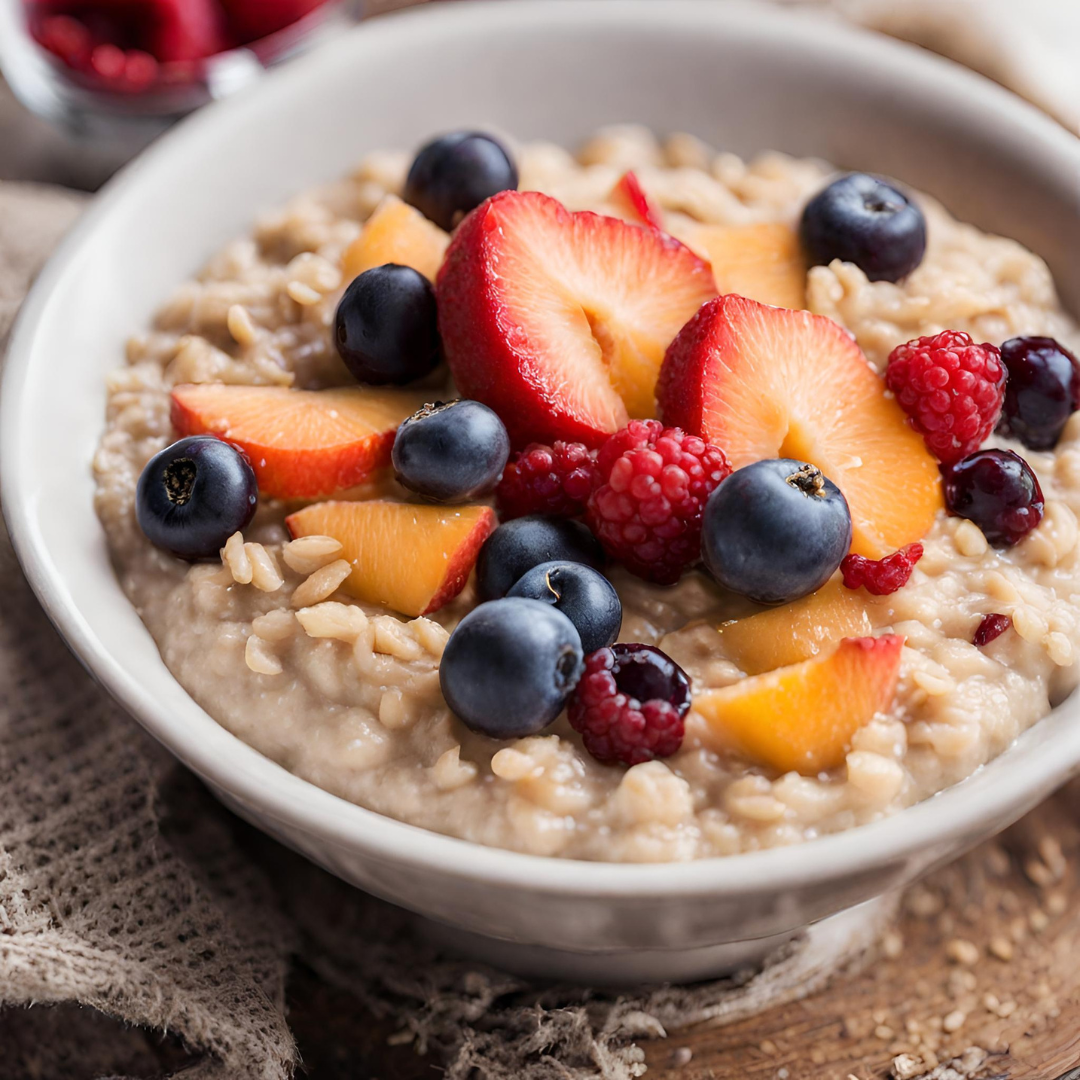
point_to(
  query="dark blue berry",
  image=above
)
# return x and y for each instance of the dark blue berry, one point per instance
(582, 594)
(998, 491)
(455, 173)
(646, 673)
(509, 667)
(193, 495)
(451, 453)
(863, 220)
(775, 530)
(1042, 391)
(386, 326)
(515, 547)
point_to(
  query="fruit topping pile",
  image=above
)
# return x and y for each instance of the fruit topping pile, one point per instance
(617, 411)
(131, 45)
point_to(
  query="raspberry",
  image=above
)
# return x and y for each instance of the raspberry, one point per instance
(629, 704)
(647, 507)
(880, 577)
(951, 389)
(547, 480)
(991, 628)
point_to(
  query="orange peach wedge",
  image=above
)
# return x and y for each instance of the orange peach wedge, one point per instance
(302, 444)
(797, 631)
(396, 233)
(802, 717)
(406, 557)
(763, 261)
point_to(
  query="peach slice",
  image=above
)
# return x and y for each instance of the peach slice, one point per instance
(302, 444)
(396, 233)
(766, 382)
(763, 261)
(405, 556)
(802, 717)
(797, 631)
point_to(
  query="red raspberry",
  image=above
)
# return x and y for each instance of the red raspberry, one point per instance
(653, 484)
(951, 389)
(608, 709)
(547, 480)
(881, 576)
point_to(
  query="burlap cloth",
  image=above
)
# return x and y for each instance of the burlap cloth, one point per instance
(144, 931)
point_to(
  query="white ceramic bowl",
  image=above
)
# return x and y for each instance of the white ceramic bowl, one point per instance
(742, 78)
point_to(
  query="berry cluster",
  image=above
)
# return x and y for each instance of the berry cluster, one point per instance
(555, 479)
(653, 485)
(880, 577)
(951, 389)
(630, 703)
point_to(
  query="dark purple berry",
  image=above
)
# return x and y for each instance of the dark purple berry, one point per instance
(193, 495)
(455, 173)
(1042, 392)
(509, 667)
(863, 220)
(997, 490)
(515, 547)
(775, 530)
(582, 594)
(646, 673)
(386, 326)
(451, 453)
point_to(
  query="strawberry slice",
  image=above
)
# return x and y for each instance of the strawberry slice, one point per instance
(766, 382)
(559, 321)
(629, 198)
(407, 557)
(301, 443)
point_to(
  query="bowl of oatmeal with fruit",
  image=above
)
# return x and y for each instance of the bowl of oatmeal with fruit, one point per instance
(537, 497)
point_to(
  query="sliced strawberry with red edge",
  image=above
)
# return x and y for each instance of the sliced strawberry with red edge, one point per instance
(558, 320)
(631, 200)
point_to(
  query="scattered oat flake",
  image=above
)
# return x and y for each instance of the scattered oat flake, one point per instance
(954, 1021)
(962, 951)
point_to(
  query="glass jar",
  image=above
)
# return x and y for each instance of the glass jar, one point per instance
(117, 123)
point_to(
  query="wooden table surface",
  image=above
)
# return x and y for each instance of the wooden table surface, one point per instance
(985, 959)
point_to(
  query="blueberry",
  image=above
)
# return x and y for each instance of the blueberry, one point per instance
(1042, 391)
(775, 530)
(451, 453)
(455, 173)
(509, 667)
(998, 491)
(515, 547)
(386, 326)
(193, 495)
(582, 594)
(863, 220)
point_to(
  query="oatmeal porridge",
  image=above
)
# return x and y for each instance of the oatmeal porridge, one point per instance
(798, 696)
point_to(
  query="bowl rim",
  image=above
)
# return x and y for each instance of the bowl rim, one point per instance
(297, 804)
